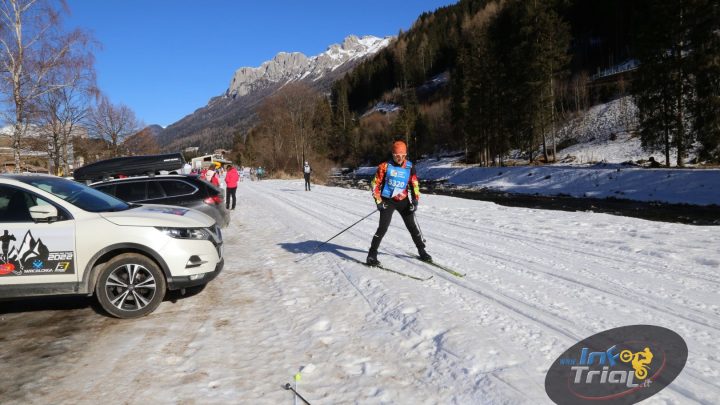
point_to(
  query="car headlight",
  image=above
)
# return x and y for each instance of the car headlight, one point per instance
(186, 233)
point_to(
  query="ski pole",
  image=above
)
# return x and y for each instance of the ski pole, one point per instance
(341, 232)
(289, 387)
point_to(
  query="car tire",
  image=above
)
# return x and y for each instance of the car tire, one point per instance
(130, 286)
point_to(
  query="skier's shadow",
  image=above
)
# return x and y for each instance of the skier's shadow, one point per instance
(310, 247)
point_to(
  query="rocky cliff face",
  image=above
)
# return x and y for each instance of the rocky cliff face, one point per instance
(215, 125)
(287, 67)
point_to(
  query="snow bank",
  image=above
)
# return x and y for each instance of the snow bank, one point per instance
(677, 186)
(689, 186)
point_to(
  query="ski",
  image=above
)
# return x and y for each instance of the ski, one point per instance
(289, 387)
(381, 267)
(449, 270)
(439, 266)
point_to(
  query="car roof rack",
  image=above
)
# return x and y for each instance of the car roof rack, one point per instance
(130, 166)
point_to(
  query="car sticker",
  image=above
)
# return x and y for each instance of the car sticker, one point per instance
(174, 211)
(28, 256)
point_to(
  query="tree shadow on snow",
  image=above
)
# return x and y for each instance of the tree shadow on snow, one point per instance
(310, 247)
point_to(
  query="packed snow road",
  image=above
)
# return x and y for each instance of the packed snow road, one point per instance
(537, 282)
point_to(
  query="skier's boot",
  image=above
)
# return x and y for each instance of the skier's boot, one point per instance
(372, 259)
(424, 256)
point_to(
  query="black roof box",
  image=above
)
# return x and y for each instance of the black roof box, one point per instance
(129, 166)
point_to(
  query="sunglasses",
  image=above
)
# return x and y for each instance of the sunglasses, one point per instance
(399, 155)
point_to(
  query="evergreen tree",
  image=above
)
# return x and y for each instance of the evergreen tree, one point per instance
(404, 124)
(422, 138)
(517, 93)
(322, 127)
(483, 95)
(662, 88)
(342, 121)
(705, 39)
(541, 41)
(458, 105)
(552, 44)
(341, 104)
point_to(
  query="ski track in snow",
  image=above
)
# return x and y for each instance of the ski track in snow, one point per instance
(537, 282)
(611, 294)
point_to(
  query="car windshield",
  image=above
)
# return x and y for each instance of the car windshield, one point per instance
(78, 194)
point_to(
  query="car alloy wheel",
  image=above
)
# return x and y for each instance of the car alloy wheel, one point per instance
(130, 286)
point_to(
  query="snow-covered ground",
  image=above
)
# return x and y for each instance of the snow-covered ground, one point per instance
(537, 282)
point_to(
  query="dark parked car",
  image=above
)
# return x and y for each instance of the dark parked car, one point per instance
(173, 189)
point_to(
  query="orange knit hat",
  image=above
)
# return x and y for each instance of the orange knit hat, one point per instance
(399, 148)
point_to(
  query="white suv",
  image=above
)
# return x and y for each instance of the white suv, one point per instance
(62, 237)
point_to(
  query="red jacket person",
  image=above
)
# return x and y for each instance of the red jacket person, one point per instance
(396, 188)
(231, 180)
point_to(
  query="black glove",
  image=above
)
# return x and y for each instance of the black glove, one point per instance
(413, 206)
(381, 206)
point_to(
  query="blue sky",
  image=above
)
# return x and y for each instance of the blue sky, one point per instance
(166, 58)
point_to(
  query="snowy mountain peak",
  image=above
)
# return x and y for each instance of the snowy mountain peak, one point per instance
(286, 67)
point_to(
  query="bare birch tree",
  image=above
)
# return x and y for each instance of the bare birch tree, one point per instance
(299, 101)
(63, 111)
(287, 118)
(272, 133)
(32, 46)
(113, 123)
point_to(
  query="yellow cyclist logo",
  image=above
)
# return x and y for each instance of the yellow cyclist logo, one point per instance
(639, 360)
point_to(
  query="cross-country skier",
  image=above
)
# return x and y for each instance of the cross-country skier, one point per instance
(396, 188)
(306, 173)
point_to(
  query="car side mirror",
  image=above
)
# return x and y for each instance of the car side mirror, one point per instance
(43, 213)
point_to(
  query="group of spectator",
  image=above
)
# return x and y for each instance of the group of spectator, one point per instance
(226, 178)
